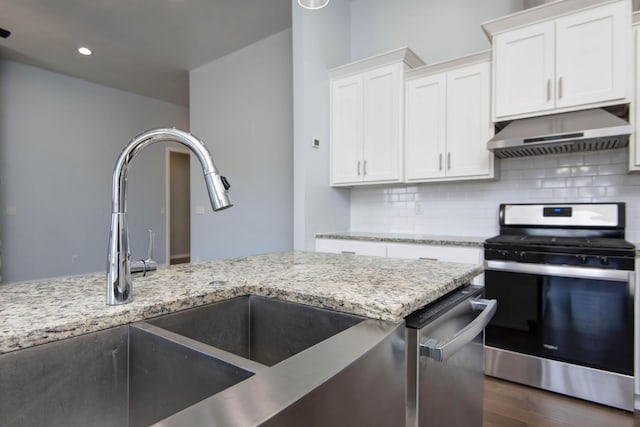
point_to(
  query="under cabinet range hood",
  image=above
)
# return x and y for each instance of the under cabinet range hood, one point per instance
(586, 130)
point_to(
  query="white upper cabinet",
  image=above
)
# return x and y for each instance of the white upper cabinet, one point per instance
(592, 51)
(382, 129)
(346, 129)
(425, 134)
(634, 140)
(524, 70)
(366, 116)
(448, 121)
(575, 56)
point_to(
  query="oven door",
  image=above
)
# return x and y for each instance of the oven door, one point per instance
(578, 315)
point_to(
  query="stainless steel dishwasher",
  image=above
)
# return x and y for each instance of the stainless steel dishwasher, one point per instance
(445, 360)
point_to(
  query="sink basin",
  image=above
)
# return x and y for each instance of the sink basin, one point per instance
(139, 374)
(264, 330)
(168, 373)
(125, 376)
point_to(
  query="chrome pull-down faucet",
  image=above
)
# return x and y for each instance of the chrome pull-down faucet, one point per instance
(119, 258)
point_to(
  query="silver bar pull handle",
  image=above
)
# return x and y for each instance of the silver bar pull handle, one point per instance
(560, 88)
(358, 167)
(440, 163)
(348, 252)
(364, 168)
(548, 90)
(441, 350)
(428, 259)
(449, 161)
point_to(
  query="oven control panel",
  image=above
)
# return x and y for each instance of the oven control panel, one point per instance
(583, 259)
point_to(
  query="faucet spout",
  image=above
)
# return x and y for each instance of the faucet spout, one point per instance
(119, 257)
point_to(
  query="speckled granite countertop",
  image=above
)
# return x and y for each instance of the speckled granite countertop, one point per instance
(376, 287)
(405, 238)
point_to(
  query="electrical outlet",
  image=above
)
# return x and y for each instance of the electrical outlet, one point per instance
(74, 259)
(418, 208)
(315, 143)
(12, 210)
(199, 210)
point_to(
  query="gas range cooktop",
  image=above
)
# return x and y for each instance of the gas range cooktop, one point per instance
(584, 234)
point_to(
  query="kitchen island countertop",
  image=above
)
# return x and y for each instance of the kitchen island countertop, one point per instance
(35, 313)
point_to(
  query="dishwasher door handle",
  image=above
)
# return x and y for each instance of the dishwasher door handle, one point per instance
(440, 350)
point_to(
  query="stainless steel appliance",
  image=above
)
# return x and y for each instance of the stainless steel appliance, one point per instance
(585, 130)
(445, 361)
(563, 278)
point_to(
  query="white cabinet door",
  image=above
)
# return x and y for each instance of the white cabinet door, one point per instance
(425, 132)
(382, 128)
(346, 130)
(351, 247)
(591, 55)
(524, 70)
(469, 124)
(634, 146)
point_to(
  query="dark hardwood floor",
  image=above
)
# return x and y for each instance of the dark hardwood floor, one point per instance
(512, 405)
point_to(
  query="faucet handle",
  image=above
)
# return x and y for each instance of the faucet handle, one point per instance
(147, 266)
(152, 237)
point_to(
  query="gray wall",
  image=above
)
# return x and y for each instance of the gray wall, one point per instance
(436, 30)
(59, 139)
(241, 107)
(320, 42)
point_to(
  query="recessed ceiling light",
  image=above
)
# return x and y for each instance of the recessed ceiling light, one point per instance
(313, 4)
(85, 51)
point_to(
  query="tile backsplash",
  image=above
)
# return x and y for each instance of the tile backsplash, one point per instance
(471, 208)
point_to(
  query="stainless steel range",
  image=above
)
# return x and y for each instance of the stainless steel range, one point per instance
(563, 278)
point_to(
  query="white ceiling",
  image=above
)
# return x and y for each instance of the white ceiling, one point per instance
(141, 46)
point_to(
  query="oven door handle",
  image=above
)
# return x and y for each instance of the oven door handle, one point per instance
(560, 270)
(440, 350)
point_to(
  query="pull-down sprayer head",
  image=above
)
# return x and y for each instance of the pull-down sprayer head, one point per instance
(118, 260)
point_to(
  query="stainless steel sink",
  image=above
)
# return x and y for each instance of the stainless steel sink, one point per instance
(126, 376)
(168, 373)
(280, 362)
(264, 330)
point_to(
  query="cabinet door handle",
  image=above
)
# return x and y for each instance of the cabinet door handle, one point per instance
(449, 161)
(548, 90)
(358, 167)
(348, 252)
(560, 88)
(364, 168)
(428, 259)
(440, 162)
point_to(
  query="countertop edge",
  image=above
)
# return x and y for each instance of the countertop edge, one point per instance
(417, 239)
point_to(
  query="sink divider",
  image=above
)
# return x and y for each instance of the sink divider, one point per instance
(206, 349)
